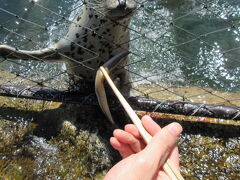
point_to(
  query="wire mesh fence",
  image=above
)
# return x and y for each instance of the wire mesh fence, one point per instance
(183, 60)
(183, 51)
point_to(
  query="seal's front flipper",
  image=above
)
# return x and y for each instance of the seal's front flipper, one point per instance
(47, 54)
(99, 83)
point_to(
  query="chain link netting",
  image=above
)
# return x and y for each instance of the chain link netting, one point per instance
(184, 60)
(180, 51)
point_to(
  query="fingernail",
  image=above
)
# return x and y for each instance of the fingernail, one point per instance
(116, 132)
(146, 117)
(175, 129)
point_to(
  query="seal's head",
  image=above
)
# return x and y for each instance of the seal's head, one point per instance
(113, 9)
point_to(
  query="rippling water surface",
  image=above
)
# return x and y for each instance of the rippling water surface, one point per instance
(177, 41)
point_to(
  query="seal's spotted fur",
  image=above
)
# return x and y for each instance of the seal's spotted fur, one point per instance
(98, 33)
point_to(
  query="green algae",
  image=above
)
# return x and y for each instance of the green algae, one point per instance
(30, 150)
(25, 156)
(63, 141)
(209, 157)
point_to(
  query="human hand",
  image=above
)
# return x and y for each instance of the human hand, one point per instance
(141, 161)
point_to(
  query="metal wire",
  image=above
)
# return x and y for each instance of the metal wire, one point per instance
(161, 64)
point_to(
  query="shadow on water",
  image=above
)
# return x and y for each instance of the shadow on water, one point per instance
(49, 122)
(72, 141)
(69, 141)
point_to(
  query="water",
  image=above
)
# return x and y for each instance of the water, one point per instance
(189, 42)
(180, 42)
(41, 19)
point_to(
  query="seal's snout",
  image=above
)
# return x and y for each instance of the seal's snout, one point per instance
(120, 9)
(121, 4)
(127, 4)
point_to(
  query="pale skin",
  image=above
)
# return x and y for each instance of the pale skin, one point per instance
(141, 161)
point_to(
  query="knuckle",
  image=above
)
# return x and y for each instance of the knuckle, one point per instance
(143, 162)
(167, 148)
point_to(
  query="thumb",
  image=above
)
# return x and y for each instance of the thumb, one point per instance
(162, 144)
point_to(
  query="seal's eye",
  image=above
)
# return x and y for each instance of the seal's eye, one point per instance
(131, 4)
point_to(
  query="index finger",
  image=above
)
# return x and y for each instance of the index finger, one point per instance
(150, 125)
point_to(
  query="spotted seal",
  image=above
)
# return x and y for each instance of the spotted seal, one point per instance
(98, 33)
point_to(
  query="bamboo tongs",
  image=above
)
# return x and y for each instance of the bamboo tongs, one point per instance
(168, 167)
